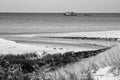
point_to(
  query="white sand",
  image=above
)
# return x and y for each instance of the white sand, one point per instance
(7, 46)
(102, 34)
(11, 47)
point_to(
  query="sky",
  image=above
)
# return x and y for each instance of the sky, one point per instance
(81, 6)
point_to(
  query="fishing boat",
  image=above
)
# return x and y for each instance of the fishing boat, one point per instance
(70, 14)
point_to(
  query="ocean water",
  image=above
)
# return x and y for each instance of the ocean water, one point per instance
(34, 23)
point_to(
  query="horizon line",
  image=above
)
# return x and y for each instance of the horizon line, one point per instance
(68, 11)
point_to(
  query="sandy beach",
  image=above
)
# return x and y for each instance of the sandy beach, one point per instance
(101, 34)
(11, 47)
(40, 43)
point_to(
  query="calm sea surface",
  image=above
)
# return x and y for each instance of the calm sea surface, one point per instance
(15, 23)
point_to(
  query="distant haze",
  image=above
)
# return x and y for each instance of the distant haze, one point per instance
(82, 6)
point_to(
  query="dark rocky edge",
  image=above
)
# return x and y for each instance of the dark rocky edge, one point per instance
(88, 38)
(51, 61)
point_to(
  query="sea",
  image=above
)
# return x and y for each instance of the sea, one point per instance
(35, 23)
